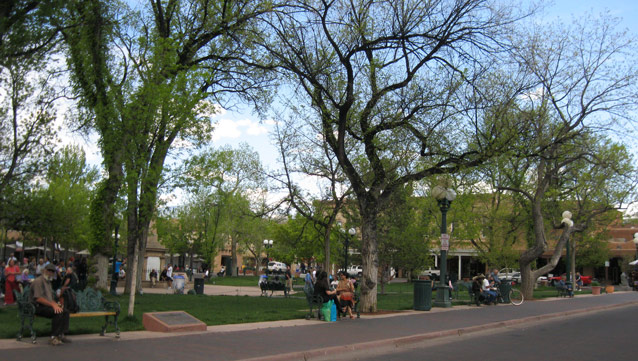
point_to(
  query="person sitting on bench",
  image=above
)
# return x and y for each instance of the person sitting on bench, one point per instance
(41, 296)
(564, 286)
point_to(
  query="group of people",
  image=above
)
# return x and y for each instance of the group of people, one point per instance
(486, 287)
(165, 275)
(15, 277)
(342, 294)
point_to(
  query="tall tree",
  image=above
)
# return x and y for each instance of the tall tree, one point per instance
(584, 87)
(149, 92)
(234, 178)
(393, 86)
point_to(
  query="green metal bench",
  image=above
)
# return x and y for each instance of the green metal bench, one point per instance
(314, 302)
(474, 298)
(91, 304)
(562, 291)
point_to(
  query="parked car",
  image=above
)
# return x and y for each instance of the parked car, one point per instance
(355, 271)
(276, 266)
(431, 272)
(507, 274)
(553, 279)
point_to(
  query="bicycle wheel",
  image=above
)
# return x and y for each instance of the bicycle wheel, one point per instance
(516, 297)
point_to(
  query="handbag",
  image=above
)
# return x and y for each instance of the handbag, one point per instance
(346, 296)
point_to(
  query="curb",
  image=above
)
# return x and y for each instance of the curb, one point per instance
(407, 340)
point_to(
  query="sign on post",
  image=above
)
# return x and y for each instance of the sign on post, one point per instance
(445, 242)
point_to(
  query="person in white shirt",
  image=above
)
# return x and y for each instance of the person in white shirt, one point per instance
(169, 276)
(488, 291)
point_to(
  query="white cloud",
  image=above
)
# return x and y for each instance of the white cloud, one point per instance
(228, 128)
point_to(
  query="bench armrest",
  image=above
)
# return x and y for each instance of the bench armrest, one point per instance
(112, 306)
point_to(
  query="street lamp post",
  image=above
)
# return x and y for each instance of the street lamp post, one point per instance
(567, 220)
(267, 245)
(115, 275)
(444, 197)
(351, 233)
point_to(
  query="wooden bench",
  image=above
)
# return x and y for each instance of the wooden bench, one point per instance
(91, 304)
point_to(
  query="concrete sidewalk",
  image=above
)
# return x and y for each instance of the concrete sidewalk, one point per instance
(301, 339)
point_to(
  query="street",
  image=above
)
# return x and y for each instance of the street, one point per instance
(604, 335)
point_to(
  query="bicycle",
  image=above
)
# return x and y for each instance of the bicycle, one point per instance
(515, 296)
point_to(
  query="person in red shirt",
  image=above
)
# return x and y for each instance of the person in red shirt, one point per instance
(11, 283)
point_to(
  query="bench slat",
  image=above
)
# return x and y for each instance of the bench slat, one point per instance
(92, 314)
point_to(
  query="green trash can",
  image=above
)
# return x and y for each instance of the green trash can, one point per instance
(504, 288)
(422, 295)
(199, 284)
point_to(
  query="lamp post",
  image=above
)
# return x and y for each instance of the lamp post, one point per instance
(444, 197)
(567, 220)
(267, 245)
(115, 275)
(351, 233)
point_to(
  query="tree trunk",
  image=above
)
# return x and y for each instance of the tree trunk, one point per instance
(370, 260)
(102, 274)
(326, 249)
(233, 257)
(529, 276)
(133, 281)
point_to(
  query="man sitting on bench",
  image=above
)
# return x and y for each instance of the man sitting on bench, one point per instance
(41, 296)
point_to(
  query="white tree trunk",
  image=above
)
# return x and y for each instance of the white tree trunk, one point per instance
(102, 274)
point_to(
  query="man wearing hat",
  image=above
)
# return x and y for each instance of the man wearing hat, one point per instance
(42, 297)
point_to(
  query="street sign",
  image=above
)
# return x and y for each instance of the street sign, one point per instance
(445, 242)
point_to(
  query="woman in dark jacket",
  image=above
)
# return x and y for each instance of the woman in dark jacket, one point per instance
(322, 288)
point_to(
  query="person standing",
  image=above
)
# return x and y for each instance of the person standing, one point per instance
(11, 272)
(169, 276)
(41, 295)
(40, 267)
(288, 279)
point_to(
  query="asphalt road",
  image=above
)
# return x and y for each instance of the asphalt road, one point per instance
(605, 335)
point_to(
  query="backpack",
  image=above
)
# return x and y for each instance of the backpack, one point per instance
(69, 301)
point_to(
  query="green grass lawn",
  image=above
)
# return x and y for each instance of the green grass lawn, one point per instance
(220, 310)
(240, 281)
(212, 310)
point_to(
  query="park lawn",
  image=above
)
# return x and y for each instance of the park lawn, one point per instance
(212, 310)
(239, 281)
(244, 281)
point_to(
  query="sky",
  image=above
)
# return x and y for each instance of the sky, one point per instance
(242, 126)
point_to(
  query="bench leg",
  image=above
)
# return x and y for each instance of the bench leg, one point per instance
(106, 323)
(30, 325)
(117, 328)
(19, 338)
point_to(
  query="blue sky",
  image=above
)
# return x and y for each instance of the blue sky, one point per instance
(236, 126)
(241, 125)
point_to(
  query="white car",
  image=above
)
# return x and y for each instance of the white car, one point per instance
(355, 271)
(276, 266)
(508, 274)
(431, 272)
